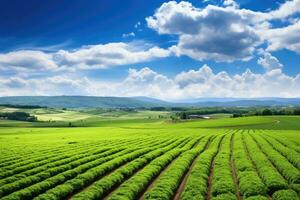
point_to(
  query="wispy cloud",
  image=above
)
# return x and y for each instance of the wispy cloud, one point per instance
(127, 35)
(46, 48)
(101, 56)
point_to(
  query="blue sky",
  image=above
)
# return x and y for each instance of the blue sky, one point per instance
(165, 49)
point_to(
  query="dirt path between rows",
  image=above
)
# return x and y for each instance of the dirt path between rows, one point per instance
(110, 193)
(152, 183)
(88, 186)
(253, 163)
(184, 180)
(211, 173)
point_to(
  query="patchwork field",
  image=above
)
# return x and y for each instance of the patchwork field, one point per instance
(153, 160)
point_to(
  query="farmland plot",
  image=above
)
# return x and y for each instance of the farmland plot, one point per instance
(215, 164)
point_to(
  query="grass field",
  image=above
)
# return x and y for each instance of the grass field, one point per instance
(141, 156)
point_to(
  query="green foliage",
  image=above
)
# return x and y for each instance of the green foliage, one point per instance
(291, 173)
(266, 112)
(285, 195)
(222, 182)
(225, 196)
(249, 182)
(258, 197)
(20, 116)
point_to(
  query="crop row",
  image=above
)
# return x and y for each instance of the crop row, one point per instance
(37, 167)
(49, 159)
(287, 143)
(291, 173)
(136, 185)
(42, 158)
(250, 183)
(17, 152)
(166, 185)
(58, 175)
(20, 159)
(290, 154)
(44, 155)
(89, 176)
(285, 195)
(104, 185)
(150, 172)
(65, 160)
(222, 182)
(270, 176)
(196, 184)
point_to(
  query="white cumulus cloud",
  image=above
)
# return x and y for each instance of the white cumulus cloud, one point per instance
(107, 55)
(203, 82)
(226, 33)
(283, 38)
(26, 60)
(269, 62)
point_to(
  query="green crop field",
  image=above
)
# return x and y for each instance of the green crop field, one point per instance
(126, 156)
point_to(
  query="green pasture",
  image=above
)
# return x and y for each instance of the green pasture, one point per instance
(89, 125)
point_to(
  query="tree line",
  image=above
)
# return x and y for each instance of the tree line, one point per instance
(238, 112)
(22, 106)
(19, 116)
(268, 112)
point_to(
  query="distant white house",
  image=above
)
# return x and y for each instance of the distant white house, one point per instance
(198, 117)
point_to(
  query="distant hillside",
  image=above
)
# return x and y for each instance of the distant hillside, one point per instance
(136, 102)
(76, 101)
(250, 102)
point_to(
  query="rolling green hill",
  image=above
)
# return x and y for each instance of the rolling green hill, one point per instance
(137, 102)
(77, 101)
